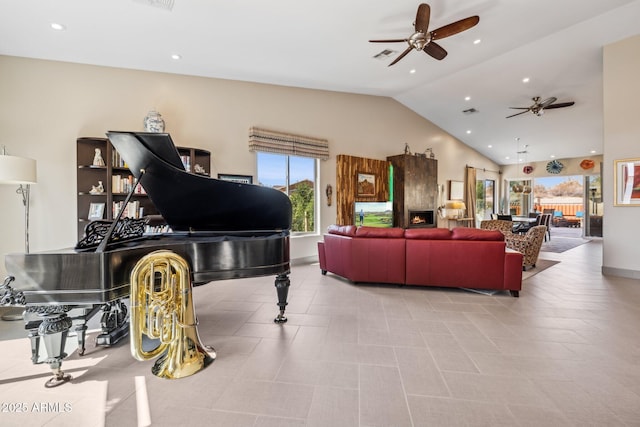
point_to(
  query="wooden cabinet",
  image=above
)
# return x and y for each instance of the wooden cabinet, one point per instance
(115, 180)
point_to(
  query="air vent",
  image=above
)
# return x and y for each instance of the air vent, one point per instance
(384, 54)
(470, 111)
(162, 4)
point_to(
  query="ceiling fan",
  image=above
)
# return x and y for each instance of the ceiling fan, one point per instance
(422, 39)
(538, 107)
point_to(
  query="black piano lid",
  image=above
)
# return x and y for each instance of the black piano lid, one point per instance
(190, 202)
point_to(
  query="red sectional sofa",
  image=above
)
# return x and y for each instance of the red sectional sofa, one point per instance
(461, 258)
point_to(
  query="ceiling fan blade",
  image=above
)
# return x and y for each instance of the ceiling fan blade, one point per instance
(388, 41)
(547, 102)
(435, 50)
(422, 18)
(402, 55)
(559, 105)
(454, 28)
(517, 114)
(520, 108)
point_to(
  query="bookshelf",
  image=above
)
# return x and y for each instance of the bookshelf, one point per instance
(116, 181)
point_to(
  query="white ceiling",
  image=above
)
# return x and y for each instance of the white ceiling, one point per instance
(324, 45)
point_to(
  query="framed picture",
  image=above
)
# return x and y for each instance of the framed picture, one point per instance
(242, 179)
(96, 211)
(456, 190)
(366, 185)
(627, 182)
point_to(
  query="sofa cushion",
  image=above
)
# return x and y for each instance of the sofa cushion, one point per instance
(377, 232)
(428, 233)
(464, 233)
(342, 230)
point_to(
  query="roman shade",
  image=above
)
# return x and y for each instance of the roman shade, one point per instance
(285, 143)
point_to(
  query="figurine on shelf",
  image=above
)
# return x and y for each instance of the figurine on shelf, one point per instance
(97, 158)
(97, 189)
(199, 169)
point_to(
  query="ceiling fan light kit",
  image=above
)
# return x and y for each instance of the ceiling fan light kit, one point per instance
(423, 40)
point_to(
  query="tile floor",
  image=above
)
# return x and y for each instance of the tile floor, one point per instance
(566, 353)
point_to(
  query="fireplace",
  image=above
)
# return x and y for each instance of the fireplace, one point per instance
(420, 219)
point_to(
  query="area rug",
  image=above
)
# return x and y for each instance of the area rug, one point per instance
(561, 244)
(541, 265)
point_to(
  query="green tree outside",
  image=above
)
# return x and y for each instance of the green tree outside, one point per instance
(302, 206)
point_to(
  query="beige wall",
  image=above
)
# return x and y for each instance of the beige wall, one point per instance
(621, 141)
(46, 105)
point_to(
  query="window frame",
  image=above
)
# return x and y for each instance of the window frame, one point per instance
(316, 187)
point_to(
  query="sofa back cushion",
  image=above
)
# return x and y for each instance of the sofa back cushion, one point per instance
(377, 232)
(428, 233)
(463, 233)
(342, 230)
(455, 263)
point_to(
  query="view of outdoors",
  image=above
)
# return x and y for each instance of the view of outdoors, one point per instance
(294, 176)
(564, 194)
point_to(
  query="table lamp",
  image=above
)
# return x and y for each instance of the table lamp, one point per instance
(454, 209)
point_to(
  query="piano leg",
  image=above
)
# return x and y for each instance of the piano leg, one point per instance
(35, 343)
(282, 287)
(53, 330)
(81, 328)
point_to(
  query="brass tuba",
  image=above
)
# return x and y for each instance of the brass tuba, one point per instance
(162, 308)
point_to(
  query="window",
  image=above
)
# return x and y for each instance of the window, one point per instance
(485, 196)
(519, 197)
(296, 177)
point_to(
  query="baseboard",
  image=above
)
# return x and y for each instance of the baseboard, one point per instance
(620, 272)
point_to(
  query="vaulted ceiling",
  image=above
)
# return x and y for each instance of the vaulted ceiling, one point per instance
(557, 45)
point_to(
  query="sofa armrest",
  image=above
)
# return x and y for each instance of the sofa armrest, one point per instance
(512, 270)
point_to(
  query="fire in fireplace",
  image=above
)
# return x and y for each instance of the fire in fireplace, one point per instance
(421, 219)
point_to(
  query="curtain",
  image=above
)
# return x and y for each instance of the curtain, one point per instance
(284, 143)
(470, 192)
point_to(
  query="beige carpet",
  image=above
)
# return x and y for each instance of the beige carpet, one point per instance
(541, 265)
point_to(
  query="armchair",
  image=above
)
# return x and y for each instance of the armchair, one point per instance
(504, 226)
(527, 244)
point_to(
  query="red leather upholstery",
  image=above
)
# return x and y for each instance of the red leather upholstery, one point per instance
(456, 263)
(463, 257)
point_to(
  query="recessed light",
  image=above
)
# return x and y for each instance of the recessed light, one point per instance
(477, 41)
(525, 80)
(468, 131)
(490, 146)
(507, 158)
(553, 156)
(593, 151)
(176, 56)
(412, 71)
(467, 98)
(57, 27)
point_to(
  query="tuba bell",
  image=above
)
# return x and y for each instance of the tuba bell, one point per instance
(162, 309)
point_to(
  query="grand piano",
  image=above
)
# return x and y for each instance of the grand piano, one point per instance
(224, 230)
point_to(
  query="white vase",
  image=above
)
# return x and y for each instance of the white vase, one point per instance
(153, 122)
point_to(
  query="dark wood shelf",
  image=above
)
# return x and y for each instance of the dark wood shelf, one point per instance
(88, 176)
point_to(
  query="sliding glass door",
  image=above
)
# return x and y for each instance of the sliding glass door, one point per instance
(485, 198)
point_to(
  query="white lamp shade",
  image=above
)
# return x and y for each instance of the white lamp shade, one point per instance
(17, 170)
